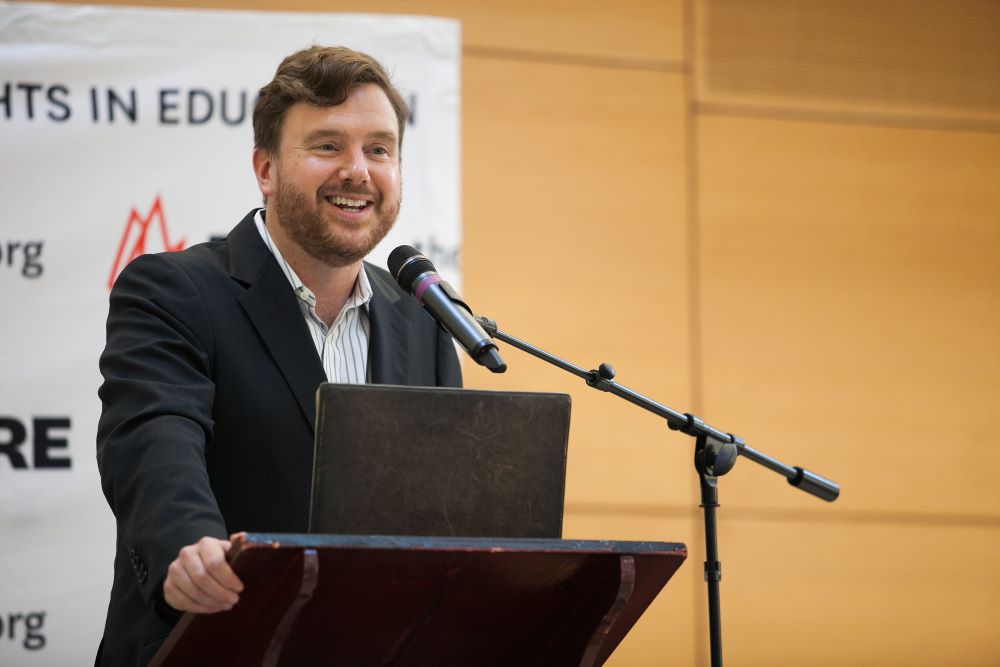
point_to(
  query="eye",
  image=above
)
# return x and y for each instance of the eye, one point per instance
(325, 148)
(380, 151)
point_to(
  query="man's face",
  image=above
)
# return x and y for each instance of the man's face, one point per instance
(335, 184)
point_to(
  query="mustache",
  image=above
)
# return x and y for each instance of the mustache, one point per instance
(348, 189)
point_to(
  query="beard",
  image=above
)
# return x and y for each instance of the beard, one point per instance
(322, 235)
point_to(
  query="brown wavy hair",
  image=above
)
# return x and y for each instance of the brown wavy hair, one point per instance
(323, 76)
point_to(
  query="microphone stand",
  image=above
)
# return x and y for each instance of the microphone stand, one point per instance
(715, 454)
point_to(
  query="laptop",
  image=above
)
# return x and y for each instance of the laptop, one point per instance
(392, 460)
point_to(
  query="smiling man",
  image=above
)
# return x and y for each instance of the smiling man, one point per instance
(214, 354)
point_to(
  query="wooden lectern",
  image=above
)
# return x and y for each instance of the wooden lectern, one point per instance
(354, 601)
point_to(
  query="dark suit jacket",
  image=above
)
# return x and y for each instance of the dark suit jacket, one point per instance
(208, 409)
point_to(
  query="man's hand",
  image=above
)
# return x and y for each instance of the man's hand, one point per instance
(200, 580)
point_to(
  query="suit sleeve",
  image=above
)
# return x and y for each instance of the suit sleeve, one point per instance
(156, 419)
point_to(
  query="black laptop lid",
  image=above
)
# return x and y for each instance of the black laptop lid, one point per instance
(393, 460)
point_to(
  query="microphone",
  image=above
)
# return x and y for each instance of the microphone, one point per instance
(416, 275)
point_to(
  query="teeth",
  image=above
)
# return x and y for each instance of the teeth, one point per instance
(353, 203)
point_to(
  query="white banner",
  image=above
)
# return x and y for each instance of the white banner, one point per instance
(125, 131)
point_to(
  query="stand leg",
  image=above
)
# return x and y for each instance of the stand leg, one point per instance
(704, 458)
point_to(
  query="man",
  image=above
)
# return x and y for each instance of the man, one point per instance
(214, 354)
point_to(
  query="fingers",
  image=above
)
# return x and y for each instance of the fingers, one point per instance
(223, 573)
(180, 600)
(200, 580)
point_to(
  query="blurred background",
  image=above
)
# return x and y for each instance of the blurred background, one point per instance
(784, 217)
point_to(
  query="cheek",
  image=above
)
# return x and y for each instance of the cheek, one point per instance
(309, 172)
(388, 181)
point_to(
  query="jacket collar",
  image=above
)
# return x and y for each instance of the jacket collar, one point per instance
(270, 304)
(388, 342)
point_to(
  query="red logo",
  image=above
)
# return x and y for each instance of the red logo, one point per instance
(136, 231)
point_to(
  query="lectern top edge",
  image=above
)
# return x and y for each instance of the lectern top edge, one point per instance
(293, 540)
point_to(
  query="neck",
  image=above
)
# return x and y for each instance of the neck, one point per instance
(332, 285)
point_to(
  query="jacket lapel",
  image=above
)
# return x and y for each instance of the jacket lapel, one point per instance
(388, 344)
(271, 306)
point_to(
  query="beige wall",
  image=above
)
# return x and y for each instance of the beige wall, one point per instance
(785, 217)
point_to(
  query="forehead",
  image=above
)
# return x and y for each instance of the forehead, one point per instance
(366, 111)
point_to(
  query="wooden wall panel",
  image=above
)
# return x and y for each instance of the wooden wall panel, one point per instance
(851, 286)
(644, 33)
(819, 592)
(850, 290)
(575, 241)
(921, 59)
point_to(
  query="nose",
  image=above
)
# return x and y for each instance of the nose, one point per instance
(354, 167)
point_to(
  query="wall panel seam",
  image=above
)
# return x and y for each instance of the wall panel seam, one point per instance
(734, 513)
(698, 602)
(857, 517)
(831, 117)
(575, 59)
(632, 509)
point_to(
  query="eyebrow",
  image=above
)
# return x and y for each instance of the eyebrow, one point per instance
(380, 135)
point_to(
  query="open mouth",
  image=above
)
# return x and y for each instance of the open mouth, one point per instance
(349, 205)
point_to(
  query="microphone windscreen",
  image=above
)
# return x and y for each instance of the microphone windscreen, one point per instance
(398, 257)
(406, 264)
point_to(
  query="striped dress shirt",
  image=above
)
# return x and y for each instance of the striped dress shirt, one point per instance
(343, 346)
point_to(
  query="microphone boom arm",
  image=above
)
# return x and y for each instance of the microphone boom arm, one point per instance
(603, 380)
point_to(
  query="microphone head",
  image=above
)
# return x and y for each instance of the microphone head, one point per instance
(406, 264)
(399, 256)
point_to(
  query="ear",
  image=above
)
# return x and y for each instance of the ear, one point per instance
(263, 170)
